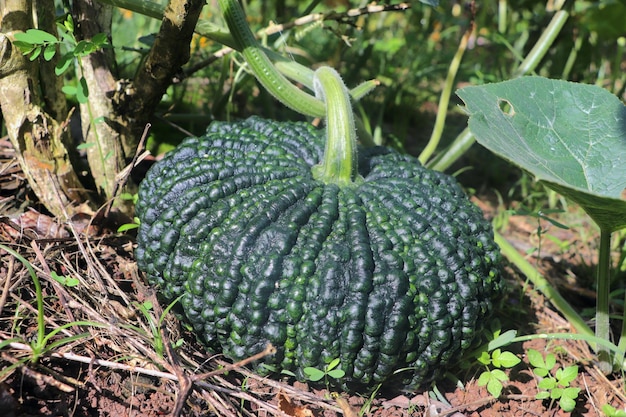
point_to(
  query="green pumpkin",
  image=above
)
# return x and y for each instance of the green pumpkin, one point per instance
(394, 274)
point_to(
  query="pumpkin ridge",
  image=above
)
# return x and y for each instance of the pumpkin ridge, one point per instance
(359, 283)
(437, 324)
(290, 285)
(324, 226)
(260, 261)
(223, 259)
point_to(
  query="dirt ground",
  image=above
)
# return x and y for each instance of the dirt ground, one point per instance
(104, 350)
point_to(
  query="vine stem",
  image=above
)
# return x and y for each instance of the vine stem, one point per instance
(544, 42)
(267, 74)
(273, 77)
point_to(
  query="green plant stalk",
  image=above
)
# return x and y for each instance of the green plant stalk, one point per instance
(502, 11)
(169, 307)
(304, 75)
(512, 48)
(157, 340)
(267, 74)
(543, 43)
(65, 340)
(465, 139)
(619, 360)
(444, 100)
(543, 286)
(41, 345)
(603, 289)
(339, 165)
(41, 324)
(590, 339)
(457, 148)
(569, 64)
(291, 69)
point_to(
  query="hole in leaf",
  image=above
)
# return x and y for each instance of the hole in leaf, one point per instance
(506, 107)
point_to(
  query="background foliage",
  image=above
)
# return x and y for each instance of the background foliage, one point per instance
(409, 52)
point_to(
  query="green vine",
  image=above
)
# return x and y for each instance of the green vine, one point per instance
(267, 74)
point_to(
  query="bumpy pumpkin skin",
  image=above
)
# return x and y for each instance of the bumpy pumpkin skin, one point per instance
(396, 272)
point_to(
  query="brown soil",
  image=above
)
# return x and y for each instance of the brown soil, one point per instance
(117, 368)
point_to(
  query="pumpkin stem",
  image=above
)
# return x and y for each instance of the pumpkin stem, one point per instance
(340, 164)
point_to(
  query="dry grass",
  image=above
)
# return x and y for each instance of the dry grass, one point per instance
(109, 292)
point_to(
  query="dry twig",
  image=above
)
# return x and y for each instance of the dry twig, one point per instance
(336, 16)
(7, 283)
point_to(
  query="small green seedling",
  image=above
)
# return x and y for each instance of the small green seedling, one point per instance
(129, 226)
(541, 215)
(64, 280)
(146, 309)
(554, 386)
(493, 378)
(330, 370)
(610, 411)
(130, 197)
(44, 342)
(135, 224)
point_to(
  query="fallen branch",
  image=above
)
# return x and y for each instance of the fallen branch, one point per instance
(100, 362)
(7, 284)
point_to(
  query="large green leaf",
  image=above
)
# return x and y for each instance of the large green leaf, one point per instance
(570, 136)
